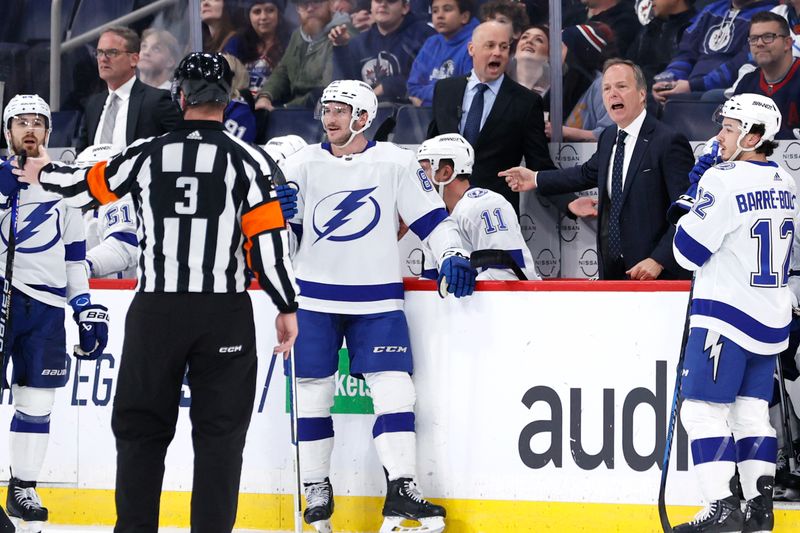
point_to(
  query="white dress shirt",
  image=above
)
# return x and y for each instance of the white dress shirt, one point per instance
(121, 123)
(632, 130)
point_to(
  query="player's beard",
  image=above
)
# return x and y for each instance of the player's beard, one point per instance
(19, 145)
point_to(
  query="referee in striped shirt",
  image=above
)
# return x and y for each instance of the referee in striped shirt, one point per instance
(207, 219)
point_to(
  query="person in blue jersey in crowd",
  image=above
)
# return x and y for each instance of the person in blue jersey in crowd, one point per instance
(239, 118)
(381, 56)
(444, 55)
(48, 272)
(712, 49)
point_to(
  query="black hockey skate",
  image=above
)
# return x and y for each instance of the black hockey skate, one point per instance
(319, 505)
(24, 505)
(758, 515)
(404, 501)
(720, 516)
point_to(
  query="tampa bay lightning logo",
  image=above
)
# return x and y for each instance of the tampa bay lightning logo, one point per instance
(346, 215)
(34, 233)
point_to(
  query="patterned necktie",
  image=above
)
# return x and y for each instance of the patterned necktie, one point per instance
(614, 239)
(472, 127)
(107, 133)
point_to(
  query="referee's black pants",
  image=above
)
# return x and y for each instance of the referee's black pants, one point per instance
(213, 336)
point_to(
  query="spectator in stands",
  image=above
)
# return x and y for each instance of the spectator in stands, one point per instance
(307, 65)
(530, 66)
(778, 72)
(444, 55)
(712, 49)
(790, 10)
(539, 11)
(640, 167)
(587, 47)
(381, 56)
(158, 58)
(238, 117)
(261, 43)
(500, 118)
(507, 12)
(220, 22)
(128, 109)
(657, 42)
(620, 16)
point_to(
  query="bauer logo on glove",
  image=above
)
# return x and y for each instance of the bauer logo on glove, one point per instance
(92, 323)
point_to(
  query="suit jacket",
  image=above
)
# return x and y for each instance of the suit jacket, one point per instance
(151, 112)
(658, 173)
(513, 129)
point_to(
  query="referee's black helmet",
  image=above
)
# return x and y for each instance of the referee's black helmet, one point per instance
(203, 78)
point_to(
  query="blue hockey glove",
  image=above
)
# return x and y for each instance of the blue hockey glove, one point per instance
(92, 323)
(9, 184)
(705, 162)
(682, 205)
(456, 276)
(287, 196)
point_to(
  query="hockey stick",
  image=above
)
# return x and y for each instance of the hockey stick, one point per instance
(786, 411)
(298, 506)
(673, 419)
(496, 259)
(5, 312)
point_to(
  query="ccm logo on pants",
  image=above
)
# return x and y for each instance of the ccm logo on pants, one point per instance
(390, 349)
(230, 349)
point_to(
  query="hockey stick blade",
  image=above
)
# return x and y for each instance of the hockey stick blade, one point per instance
(496, 259)
(673, 421)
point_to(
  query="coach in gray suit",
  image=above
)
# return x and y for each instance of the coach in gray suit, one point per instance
(129, 109)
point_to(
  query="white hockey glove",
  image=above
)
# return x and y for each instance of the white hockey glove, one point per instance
(794, 289)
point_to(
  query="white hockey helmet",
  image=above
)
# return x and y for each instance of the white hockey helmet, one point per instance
(357, 95)
(447, 146)
(96, 153)
(279, 148)
(26, 104)
(751, 109)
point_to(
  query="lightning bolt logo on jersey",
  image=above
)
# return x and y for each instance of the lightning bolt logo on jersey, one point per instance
(348, 216)
(48, 232)
(348, 260)
(714, 348)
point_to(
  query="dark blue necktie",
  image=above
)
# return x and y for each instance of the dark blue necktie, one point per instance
(614, 239)
(472, 127)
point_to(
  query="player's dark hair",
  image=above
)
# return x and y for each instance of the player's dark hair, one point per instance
(452, 164)
(767, 147)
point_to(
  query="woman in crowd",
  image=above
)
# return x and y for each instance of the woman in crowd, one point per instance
(219, 23)
(261, 43)
(158, 58)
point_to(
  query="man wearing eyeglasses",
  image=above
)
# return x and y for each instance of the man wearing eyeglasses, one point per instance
(129, 109)
(778, 72)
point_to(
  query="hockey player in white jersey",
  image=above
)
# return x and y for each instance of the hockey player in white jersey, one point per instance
(485, 219)
(348, 269)
(737, 237)
(112, 244)
(48, 272)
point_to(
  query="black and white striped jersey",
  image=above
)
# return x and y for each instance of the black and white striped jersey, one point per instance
(205, 210)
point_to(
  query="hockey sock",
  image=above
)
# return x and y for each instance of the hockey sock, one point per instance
(28, 444)
(713, 448)
(395, 438)
(756, 445)
(315, 427)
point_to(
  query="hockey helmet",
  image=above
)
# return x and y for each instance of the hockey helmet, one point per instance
(447, 146)
(279, 148)
(203, 78)
(357, 95)
(96, 153)
(751, 109)
(26, 104)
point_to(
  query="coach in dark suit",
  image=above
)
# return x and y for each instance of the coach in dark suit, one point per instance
(640, 167)
(129, 109)
(500, 118)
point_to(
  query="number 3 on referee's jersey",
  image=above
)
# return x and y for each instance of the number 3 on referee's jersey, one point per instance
(189, 204)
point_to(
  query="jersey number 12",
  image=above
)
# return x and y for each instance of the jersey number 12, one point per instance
(762, 232)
